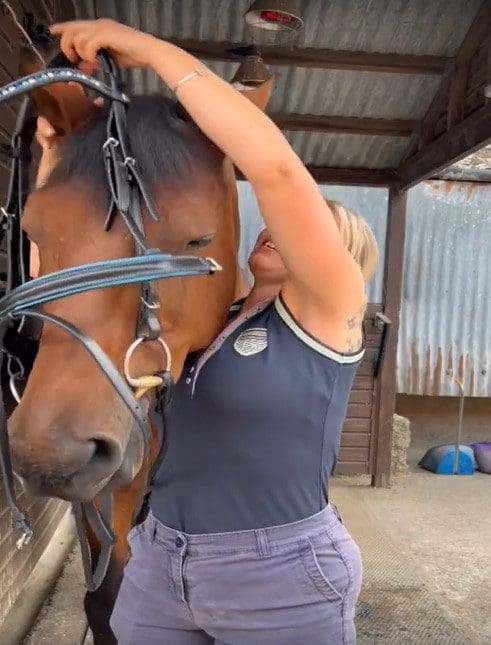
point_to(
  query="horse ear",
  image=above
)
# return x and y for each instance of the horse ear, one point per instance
(259, 95)
(64, 105)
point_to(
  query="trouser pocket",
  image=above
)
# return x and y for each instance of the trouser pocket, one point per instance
(325, 568)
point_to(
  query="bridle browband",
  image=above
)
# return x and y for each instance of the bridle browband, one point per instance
(23, 297)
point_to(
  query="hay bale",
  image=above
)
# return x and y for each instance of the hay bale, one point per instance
(401, 438)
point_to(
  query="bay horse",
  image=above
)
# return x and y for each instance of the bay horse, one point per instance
(71, 435)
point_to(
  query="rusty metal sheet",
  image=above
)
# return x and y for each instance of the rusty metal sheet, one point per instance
(446, 305)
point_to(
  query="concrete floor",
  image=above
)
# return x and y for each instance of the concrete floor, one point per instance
(428, 535)
(441, 526)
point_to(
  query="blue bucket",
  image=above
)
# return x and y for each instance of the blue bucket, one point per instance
(440, 460)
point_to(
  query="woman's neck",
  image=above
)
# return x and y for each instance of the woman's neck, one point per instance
(260, 293)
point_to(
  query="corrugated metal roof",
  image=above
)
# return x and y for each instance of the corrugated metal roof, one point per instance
(398, 26)
(361, 94)
(446, 301)
(347, 150)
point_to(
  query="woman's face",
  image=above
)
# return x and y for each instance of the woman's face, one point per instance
(265, 262)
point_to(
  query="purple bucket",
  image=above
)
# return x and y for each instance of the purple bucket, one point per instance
(482, 453)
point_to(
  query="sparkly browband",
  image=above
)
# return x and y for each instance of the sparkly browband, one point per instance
(63, 74)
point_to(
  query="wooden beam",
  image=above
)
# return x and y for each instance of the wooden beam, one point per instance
(346, 124)
(348, 176)
(449, 99)
(318, 58)
(458, 86)
(386, 380)
(469, 135)
(353, 176)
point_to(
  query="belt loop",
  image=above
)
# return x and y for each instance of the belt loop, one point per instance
(262, 543)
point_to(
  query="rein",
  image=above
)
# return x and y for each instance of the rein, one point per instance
(23, 297)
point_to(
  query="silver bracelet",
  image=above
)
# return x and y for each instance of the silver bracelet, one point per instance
(188, 77)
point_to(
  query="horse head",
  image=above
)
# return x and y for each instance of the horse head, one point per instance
(71, 435)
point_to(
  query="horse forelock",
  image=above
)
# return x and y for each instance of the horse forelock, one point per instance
(166, 144)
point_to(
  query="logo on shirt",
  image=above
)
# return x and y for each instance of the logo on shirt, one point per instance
(251, 341)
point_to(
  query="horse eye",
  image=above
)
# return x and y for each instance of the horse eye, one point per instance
(200, 242)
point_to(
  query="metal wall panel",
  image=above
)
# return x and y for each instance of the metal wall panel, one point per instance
(446, 307)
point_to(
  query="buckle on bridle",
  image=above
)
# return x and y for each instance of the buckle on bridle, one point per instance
(5, 215)
(150, 305)
(110, 141)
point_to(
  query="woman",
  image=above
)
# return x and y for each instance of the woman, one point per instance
(241, 545)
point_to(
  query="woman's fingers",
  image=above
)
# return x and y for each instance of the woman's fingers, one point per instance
(58, 28)
(82, 39)
(67, 46)
(89, 67)
(87, 45)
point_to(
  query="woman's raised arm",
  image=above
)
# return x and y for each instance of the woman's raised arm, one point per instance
(322, 275)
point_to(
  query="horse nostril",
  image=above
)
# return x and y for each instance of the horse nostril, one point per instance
(103, 451)
(106, 456)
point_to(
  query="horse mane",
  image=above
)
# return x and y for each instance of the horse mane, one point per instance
(164, 140)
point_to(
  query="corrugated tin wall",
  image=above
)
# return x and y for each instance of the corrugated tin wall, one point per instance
(446, 304)
(446, 307)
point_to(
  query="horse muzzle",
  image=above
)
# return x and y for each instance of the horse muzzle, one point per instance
(80, 469)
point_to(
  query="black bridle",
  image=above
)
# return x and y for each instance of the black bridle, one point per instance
(23, 297)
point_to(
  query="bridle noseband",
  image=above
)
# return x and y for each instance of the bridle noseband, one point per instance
(23, 297)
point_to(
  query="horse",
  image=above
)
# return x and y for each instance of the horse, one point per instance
(71, 436)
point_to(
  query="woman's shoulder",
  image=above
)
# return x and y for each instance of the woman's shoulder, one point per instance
(309, 339)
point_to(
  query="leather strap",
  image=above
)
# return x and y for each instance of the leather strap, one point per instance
(99, 521)
(100, 275)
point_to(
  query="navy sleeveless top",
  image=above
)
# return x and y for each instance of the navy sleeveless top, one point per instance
(254, 427)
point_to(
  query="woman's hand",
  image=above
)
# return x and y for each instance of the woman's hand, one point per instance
(80, 40)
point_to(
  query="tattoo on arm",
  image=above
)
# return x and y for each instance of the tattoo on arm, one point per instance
(354, 323)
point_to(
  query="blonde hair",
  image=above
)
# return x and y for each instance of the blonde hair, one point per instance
(357, 236)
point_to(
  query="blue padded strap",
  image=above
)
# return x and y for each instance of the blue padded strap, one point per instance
(101, 275)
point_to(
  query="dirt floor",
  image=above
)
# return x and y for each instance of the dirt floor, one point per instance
(425, 544)
(441, 523)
